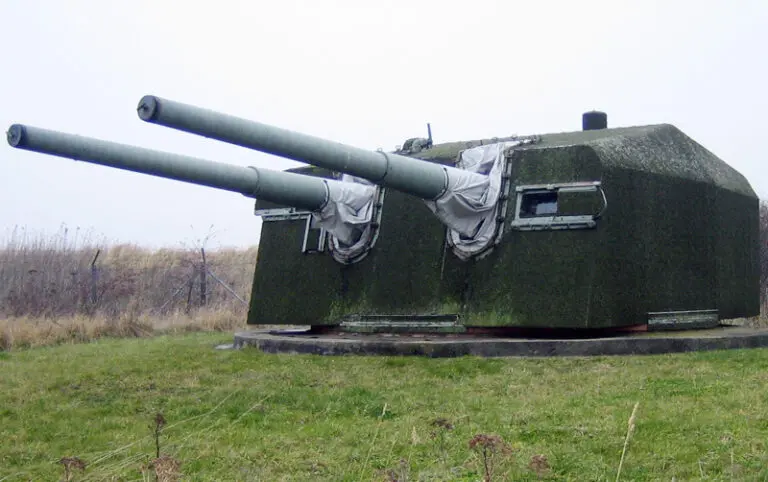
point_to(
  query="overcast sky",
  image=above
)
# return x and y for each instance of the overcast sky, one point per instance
(370, 74)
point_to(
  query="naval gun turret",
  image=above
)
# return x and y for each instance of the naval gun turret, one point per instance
(533, 242)
(601, 228)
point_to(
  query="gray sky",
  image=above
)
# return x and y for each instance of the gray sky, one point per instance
(370, 74)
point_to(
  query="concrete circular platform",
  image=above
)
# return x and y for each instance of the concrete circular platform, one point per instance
(455, 345)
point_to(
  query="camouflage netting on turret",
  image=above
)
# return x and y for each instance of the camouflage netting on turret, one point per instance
(679, 234)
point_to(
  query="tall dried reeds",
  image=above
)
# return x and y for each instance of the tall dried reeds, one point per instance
(72, 277)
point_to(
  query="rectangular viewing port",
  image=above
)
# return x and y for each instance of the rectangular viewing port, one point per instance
(558, 206)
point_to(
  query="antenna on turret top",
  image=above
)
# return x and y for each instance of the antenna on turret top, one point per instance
(429, 135)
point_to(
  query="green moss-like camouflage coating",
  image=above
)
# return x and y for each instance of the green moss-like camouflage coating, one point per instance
(680, 233)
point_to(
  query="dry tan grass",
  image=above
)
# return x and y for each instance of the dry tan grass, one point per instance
(166, 469)
(66, 275)
(27, 332)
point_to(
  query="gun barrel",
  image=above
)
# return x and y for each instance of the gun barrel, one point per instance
(420, 178)
(286, 188)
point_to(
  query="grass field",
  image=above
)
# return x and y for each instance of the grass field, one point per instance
(245, 415)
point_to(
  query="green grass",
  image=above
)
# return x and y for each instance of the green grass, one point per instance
(245, 415)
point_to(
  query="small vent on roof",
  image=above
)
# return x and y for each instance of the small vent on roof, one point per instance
(594, 120)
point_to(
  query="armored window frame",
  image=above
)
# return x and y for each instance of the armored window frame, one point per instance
(527, 220)
(315, 238)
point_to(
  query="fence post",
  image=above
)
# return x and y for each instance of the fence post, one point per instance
(203, 271)
(191, 284)
(94, 278)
